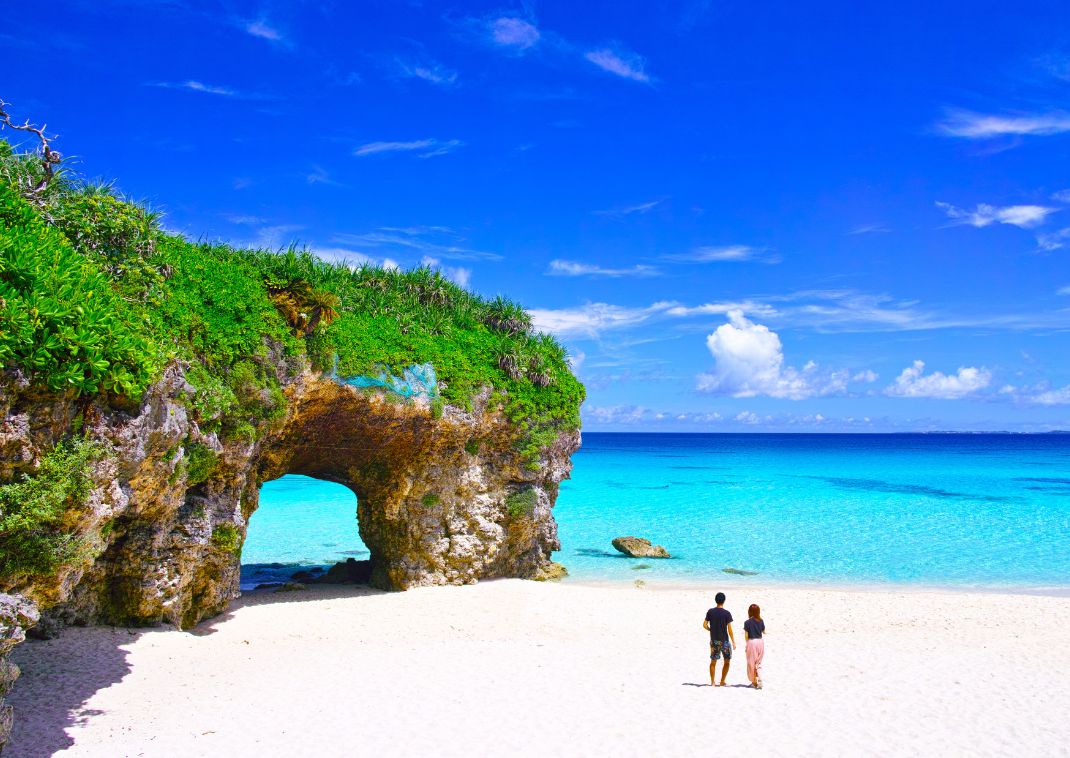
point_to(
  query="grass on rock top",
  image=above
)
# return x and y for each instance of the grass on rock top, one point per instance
(95, 298)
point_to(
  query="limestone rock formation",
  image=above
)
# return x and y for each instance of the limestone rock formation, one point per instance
(435, 489)
(638, 547)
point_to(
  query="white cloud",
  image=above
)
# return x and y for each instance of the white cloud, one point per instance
(721, 309)
(615, 414)
(1054, 240)
(432, 72)
(427, 148)
(748, 417)
(1052, 397)
(459, 276)
(630, 209)
(1063, 290)
(195, 86)
(913, 382)
(749, 361)
(512, 32)
(435, 241)
(319, 175)
(1062, 196)
(866, 376)
(1023, 216)
(592, 319)
(870, 229)
(729, 253)
(623, 64)
(574, 268)
(244, 219)
(962, 123)
(264, 30)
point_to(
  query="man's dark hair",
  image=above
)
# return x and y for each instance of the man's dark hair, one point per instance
(719, 598)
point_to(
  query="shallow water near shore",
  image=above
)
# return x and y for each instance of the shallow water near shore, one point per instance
(937, 510)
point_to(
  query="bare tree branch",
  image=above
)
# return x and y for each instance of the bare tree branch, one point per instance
(49, 157)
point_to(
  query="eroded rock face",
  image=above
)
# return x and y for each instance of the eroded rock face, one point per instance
(432, 494)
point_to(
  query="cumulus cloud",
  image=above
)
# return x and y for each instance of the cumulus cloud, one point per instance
(1059, 396)
(749, 361)
(623, 64)
(512, 32)
(1023, 216)
(729, 253)
(914, 382)
(867, 376)
(575, 268)
(425, 148)
(971, 125)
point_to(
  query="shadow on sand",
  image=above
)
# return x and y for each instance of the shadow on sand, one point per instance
(61, 675)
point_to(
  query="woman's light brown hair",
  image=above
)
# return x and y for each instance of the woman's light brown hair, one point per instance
(754, 612)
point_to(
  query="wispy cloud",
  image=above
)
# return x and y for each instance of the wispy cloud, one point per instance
(428, 71)
(514, 33)
(460, 276)
(870, 229)
(433, 241)
(593, 319)
(193, 85)
(574, 268)
(619, 62)
(1023, 216)
(1063, 291)
(1062, 196)
(262, 29)
(914, 382)
(629, 210)
(824, 311)
(728, 253)
(425, 148)
(1053, 240)
(971, 125)
(319, 175)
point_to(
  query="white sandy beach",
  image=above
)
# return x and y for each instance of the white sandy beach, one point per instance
(515, 667)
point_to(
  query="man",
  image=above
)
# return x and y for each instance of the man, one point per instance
(722, 639)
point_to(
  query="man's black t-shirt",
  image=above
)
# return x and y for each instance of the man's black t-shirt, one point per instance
(754, 628)
(719, 619)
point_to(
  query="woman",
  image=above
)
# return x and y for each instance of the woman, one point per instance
(753, 632)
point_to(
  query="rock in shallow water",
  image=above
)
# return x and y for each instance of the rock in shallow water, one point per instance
(638, 547)
(739, 572)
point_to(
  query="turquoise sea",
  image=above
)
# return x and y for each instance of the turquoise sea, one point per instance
(975, 510)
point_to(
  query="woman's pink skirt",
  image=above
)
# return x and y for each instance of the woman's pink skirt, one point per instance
(755, 653)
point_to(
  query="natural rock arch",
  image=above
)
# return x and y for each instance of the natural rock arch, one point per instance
(444, 497)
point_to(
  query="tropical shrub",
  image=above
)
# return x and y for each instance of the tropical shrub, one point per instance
(33, 537)
(60, 319)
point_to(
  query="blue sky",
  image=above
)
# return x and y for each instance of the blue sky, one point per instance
(738, 216)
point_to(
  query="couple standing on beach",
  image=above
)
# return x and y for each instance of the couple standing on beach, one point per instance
(723, 641)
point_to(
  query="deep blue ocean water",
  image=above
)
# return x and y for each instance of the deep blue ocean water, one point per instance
(940, 509)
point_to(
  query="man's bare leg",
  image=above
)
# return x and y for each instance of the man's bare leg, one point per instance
(713, 673)
(724, 671)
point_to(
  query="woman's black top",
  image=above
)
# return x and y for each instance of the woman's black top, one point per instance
(754, 628)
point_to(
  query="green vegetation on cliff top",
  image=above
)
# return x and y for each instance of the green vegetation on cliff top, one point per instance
(96, 299)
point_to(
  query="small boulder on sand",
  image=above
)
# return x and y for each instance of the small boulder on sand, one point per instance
(637, 547)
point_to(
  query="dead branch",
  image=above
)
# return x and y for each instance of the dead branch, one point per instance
(49, 157)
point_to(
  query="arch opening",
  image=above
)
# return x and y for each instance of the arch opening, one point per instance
(302, 527)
